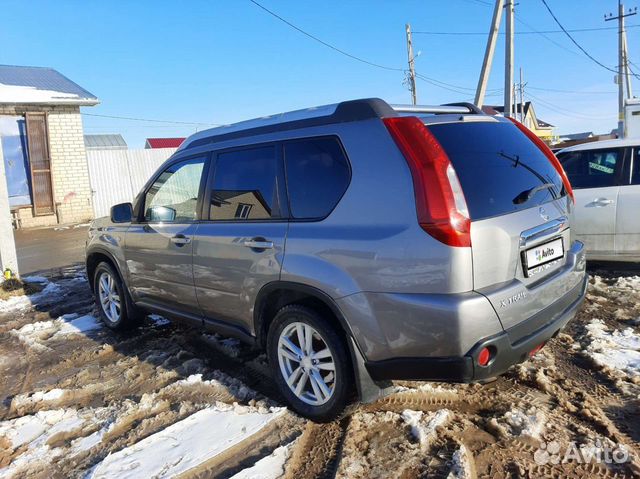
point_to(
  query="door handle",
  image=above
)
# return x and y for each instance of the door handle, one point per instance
(258, 243)
(180, 240)
(602, 202)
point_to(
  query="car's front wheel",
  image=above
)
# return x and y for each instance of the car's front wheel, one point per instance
(310, 362)
(114, 305)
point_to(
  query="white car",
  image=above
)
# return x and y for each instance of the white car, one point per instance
(605, 176)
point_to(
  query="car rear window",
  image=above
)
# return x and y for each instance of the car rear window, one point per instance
(497, 165)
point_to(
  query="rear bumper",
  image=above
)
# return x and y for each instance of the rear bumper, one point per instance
(511, 346)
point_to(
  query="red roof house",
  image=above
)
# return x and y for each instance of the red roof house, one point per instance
(163, 142)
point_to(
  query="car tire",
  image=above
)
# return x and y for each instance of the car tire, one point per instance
(322, 397)
(109, 290)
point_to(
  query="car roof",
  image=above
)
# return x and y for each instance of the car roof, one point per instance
(346, 111)
(595, 145)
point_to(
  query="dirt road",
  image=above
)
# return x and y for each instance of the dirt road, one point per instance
(81, 401)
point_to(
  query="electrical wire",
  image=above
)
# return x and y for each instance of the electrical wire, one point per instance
(328, 45)
(533, 32)
(192, 123)
(565, 112)
(544, 2)
(554, 90)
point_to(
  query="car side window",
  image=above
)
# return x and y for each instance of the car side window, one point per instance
(317, 176)
(245, 185)
(173, 197)
(635, 167)
(592, 168)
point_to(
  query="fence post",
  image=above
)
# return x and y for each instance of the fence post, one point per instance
(8, 257)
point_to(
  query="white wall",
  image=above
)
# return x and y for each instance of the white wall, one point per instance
(117, 176)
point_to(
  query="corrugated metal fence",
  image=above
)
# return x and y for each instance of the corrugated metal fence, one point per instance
(118, 175)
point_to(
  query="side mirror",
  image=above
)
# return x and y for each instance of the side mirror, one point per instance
(161, 213)
(122, 213)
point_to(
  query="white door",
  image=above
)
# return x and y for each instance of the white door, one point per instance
(594, 175)
(628, 212)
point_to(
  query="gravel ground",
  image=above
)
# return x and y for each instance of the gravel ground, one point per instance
(78, 400)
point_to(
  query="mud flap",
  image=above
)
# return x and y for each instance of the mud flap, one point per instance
(368, 390)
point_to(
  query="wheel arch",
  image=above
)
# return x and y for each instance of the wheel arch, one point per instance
(278, 294)
(97, 256)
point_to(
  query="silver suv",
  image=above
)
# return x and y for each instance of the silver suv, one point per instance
(356, 243)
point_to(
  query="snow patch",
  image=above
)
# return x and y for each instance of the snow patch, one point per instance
(461, 465)
(30, 94)
(617, 350)
(21, 302)
(269, 467)
(521, 423)
(158, 320)
(35, 335)
(424, 428)
(186, 444)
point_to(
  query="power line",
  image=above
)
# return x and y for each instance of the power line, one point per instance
(192, 123)
(572, 91)
(575, 42)
(565, 112)
(313, 37)
(532, 32)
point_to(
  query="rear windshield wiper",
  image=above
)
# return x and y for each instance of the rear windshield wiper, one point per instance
(527, 194)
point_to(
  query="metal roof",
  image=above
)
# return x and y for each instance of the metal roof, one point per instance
(41, 85)
(105, 142)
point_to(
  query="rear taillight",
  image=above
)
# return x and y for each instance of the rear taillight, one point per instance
(440, 203)
(548, 153)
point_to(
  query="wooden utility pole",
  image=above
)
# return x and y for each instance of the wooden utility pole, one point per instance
(412, 70)
(623, 68)
(488, 54)
(627, 76)
(508, 62)
(8, 257)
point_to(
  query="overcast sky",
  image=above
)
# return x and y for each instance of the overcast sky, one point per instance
(216, 62)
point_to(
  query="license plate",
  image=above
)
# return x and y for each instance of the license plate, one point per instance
(544, 253)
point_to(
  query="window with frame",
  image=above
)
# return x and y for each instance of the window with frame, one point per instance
(317, 176)
(635, 167)
(592, 168)
(173, 197)
(245, 185)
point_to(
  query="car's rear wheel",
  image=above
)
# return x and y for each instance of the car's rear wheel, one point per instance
(310, 362)
(114, 304)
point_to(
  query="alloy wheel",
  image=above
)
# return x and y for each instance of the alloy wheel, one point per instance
(306, 363)
(109, 297)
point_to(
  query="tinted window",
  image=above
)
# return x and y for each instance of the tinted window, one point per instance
(635, 167)
(245, 185)
(497, 165)
(173, 197)
(591, 168)
(317, 176)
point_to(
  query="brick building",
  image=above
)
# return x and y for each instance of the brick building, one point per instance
(43, 146)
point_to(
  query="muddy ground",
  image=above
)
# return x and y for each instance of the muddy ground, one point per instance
(518, 426)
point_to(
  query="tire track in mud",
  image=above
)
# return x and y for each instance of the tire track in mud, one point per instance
(317, 451)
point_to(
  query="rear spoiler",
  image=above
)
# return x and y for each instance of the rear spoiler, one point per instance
(449, 108)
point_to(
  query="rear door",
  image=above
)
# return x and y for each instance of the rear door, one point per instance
(240, 247)
(159, 245)
(518, 205)
(594, 176)
(627, 240)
